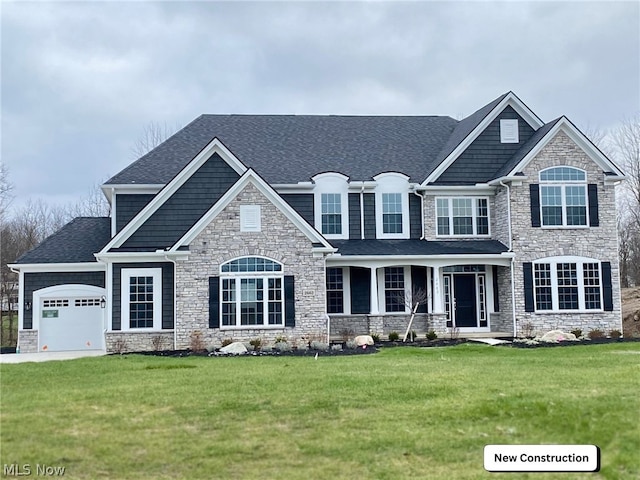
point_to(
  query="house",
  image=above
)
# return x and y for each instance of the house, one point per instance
(245, 226)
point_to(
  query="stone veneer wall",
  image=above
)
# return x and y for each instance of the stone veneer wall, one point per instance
(502, 321)
(118, 342)
(531, 244)
(221, 241)
(28, 341)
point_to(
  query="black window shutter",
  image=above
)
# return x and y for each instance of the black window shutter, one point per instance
(607, 289)
(496, 297)
(592, 192)
(534, 194)
(214, 302)
(419, 280)
(289, 301)
(528, 287)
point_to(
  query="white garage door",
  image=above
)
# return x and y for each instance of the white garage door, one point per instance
(70, 322)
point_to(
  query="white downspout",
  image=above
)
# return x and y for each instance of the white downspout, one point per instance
(415, 192)
(513, 260)
(362, 211)
(175, 302)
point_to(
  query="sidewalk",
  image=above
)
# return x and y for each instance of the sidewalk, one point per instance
(47, 356)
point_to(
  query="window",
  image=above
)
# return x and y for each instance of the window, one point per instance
(509, 131)
(251, 293)
(331, 216)
(141, 296)
(563, 197)
(392, 213)
(394, 289)
(335, 290)
(331, 202)
(567, 285)
(463, 216)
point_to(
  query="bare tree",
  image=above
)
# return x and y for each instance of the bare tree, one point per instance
(412, 300)
(6, 188)
(152, 135)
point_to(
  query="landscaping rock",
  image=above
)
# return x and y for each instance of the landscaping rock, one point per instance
(363, 340)
(237, 348)
(557, 336)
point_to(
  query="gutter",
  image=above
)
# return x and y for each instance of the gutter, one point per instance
(362, 211)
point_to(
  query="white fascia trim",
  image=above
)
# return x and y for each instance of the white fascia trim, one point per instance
(357, 186)
(141, 257)
(58, 267)
(565, 125)
(507, 179)
(109, 189)
(251, 176)
(300, 187)
(510, 100)
(503, 259)
(215, 146)
(479, 189)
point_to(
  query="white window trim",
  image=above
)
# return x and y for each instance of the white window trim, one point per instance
(265, 276)
(474, 219)
(125, 320)
(392, 182)
(408, 282)
(335, 183)
(579, 261)
(563, 193)
(250, 218)
(346, 292)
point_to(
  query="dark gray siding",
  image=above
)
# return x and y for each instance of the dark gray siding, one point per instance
(185, 207)
(36, 281)
(301, 203)
(369, 215)
(486, 155)
(360, 290)
(167, 292)
(128, 206)
(415, 214)
(354, 215)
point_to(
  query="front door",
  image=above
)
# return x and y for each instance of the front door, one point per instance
(464, 291)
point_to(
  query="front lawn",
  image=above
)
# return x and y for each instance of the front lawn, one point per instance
(401, 413)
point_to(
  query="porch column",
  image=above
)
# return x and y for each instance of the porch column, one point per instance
(437, 290)
(375, 310)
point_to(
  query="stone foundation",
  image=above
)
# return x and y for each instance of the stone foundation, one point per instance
(348, 326)
(28, 341)
(123, 342)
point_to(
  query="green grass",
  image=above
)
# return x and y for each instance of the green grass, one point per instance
(402, 413)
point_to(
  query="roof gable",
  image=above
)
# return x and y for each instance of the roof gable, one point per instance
(548, 132)
(251, 177)
(470, 128)
(214, 149)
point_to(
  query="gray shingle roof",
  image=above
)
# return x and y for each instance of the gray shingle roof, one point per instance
(293, 148)
(418, 247)
(76, 242)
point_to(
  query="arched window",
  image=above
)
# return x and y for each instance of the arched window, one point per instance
(563, 197)
(251, 293)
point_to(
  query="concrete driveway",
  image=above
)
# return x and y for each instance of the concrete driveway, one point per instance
(47, 356)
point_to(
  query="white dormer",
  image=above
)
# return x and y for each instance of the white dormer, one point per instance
(392, 205)
(331, 205)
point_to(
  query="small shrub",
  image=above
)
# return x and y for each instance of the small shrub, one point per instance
(376, 338)
(336, 347)
(394, 336)
(226, 341)
(347, 333)
(256, 343)
(454, 333)
(596, 333)
(319, 346)
(280, 338)
(282, 346)
(577, 332)
(351, 344)
(158, 342)
(412, 336)
(527, 329)
(196, 343)
(432, 335)
(615, 333)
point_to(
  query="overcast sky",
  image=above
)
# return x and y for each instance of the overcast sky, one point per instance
(80, 81)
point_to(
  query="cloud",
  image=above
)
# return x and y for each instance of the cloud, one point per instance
(80, 80)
